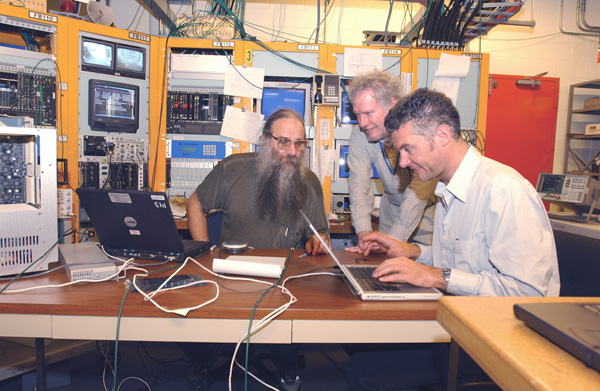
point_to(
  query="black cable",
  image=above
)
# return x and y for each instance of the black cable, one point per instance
(439, 23)
(453, 13)
(318, 21)
(134, 16)
(461, 22)
(476, 9)
(429, 23)
(387, 22)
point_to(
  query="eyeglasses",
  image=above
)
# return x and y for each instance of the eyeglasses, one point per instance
(284, 143)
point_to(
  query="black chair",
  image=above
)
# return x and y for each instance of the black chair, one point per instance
(214, 220)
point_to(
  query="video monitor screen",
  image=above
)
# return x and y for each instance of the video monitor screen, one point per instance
(97, 54)
(552, 184)
(276, 98)
(344, 169)
(130, 59)
(113, 107)
(343, 162)
(347, 113)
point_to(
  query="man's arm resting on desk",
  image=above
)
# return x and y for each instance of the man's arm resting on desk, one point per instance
(196, 219)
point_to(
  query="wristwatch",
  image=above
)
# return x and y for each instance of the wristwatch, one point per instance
(446, 274)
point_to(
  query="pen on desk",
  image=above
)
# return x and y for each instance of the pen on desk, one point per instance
(303, 256)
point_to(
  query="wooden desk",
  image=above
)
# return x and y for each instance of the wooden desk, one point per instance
(514, 356)
(326, 312)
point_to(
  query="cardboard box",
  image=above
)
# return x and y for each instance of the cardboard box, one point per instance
(591, 102)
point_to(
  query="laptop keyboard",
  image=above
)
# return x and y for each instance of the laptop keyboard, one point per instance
(364, 276)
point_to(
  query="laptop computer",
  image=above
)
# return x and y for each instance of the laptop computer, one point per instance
(361, 281)
(137, 224)
(575, 327)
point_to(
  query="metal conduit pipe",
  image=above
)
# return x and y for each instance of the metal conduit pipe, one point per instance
(560, 27)
(581, 5)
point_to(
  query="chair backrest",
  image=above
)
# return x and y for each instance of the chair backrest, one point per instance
(213, 222)
(578, 264)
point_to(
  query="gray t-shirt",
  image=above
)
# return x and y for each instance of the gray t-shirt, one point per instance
(232, 187)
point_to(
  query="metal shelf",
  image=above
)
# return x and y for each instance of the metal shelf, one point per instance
(584, 166)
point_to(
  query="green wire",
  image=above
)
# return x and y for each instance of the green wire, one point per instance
(287, 263)
(117, 337)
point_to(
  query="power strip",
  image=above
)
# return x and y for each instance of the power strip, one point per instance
(153, 283)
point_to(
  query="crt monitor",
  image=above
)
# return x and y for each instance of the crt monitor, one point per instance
(113, 107)
(97, 56)
(295, 96)
(130, 61)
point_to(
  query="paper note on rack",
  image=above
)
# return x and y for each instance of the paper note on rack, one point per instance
(248, 265)
(359, 60)
(448, 74)
(247, 82)
(241, 125)
(325, 162)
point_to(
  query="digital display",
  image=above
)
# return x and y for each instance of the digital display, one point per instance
(113, 107)
(552, 184)
(97, 53)
(275, 98)
(110, 101)
(130, 59)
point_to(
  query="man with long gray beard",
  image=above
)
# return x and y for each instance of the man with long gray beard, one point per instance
(266, 190)
(261, 195)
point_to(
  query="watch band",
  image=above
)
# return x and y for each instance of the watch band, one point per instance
(446, 272)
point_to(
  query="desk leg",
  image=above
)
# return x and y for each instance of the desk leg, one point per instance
(453, 365)
(40, 364)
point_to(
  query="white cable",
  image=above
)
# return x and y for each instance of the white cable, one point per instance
(266, 320)
(179, 311)
(133, 378)
(112, 276)
(106, 364)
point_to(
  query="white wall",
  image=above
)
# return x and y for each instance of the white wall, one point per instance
(513, 50)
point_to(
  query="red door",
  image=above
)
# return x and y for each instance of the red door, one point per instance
(521, 124)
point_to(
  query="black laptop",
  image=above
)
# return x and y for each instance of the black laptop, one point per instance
(137, 224)
(575, 327)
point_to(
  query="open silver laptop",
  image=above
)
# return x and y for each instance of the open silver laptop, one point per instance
(360, 279)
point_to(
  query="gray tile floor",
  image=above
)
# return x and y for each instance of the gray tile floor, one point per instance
(164, 367)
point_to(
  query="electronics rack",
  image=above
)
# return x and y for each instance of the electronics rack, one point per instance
(28, 90)
(189, 162)
(113, 162)
(196, 111)
(28, 229)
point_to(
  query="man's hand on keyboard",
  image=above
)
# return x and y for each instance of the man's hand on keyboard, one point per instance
(391, 246)
(406, 270)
